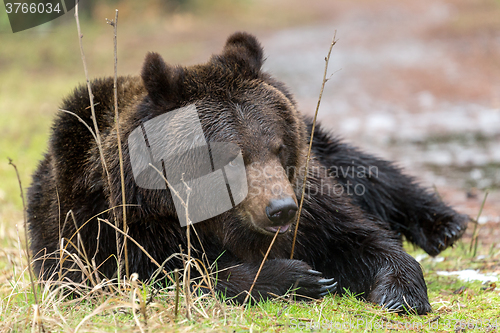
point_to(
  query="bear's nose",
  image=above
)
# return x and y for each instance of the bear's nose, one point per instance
(280, 211)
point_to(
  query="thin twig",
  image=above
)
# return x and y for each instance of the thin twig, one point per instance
(114, 24)
(91, 96)
(60, 235)
(81, 120)
(97, 135)
(176, 193)
(177, 287)
(185, 204)
(475, 235)
(327, 59)
(133, 280)
(187, 280)
(186, 265)
(261, 265)
(28, 257)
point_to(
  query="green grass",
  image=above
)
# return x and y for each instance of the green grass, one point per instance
(455, 304)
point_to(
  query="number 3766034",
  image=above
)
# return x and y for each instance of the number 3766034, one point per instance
(32, 8)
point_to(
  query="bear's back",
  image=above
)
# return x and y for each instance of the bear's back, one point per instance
(72, 145)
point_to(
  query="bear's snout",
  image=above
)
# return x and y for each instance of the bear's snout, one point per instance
(280, 212)
(271, 201)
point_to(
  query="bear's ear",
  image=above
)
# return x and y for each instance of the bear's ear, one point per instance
(245, 50)
(158, 79)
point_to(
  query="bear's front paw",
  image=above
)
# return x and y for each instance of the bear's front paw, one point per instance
(409, 304)
(308, 283)
(315, 286)
(445, 232)
(400, 287)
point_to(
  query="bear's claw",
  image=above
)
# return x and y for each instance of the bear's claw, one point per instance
(449, 231)
(313, 272)
(330, 289)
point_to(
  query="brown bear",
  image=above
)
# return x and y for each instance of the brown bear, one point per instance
(351, 224)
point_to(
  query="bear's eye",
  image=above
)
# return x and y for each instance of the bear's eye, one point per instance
(280, 150)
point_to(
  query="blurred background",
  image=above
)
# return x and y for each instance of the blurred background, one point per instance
(417, 82)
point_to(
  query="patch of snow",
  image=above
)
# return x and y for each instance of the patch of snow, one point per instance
(476, 174)
(483, 220)
(471, 275)
(421, 257)
(486, 219)
(380, 122)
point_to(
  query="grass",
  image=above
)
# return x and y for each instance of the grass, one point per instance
(135, 307)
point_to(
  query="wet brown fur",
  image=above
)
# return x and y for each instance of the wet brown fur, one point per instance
(355, 240)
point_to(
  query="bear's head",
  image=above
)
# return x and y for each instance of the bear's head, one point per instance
(222, 114)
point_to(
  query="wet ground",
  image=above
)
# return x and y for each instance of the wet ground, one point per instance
(406, 89)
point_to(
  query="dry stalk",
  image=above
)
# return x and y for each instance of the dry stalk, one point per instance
(475, 235)
(81, 120)
(187, 271)
(82, 253)
(114, 24)
(20, 251)
(36, 309)
(184, 204)
(187, 264)
(97, 135)
(59, 226)
(204, 256)
(91, 96)
(134, 288)
(261, 265)
(177, 287)
(327, 59)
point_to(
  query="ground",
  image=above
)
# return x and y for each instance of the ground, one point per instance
(416, 81)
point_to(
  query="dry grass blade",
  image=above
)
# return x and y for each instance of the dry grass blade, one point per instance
(97, 135)
(177, 287)
(261, 265)
(100, 308)
(473, 242)
(187, 265)
(187, 268)
(86, 222)
(80, 120)
(114, 24)
(327, 59)
(134, 288)
(28, 257)
(91, 96)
